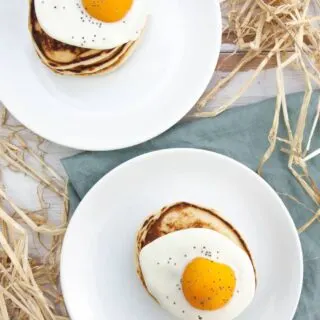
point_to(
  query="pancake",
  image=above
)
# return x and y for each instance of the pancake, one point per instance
(182, 216)
(71, 60)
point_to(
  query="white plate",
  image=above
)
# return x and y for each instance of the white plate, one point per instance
(98, 269)
(154, 89)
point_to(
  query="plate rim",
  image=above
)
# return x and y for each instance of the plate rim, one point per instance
(95, 143)
(155, 153)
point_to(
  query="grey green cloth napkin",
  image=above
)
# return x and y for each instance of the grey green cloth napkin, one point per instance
(241, 134)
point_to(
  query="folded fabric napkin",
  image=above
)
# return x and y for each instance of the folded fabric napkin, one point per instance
(242, 134)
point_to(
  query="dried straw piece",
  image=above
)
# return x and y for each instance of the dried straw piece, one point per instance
(312, 155)
(314, 125)
(272, 136)
(310, 222)
(211, 94)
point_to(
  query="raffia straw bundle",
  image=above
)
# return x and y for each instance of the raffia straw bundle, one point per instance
(29, 283)
(286, 31)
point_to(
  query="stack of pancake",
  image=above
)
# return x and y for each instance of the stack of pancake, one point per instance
(194, 263)
(71, 60)
(180, 216)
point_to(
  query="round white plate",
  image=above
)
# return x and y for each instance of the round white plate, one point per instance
(98, 268)
(155, 88)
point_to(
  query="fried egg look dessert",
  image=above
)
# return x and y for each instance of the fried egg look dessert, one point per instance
(74, 37)
(195, 264)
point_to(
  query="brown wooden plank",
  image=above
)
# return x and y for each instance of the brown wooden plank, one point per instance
(228, 38)
(227, 62)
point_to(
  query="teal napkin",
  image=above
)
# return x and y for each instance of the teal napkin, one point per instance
(241, 134)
